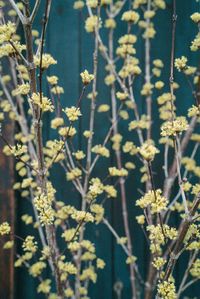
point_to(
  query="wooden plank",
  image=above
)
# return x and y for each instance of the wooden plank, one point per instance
(7, 208)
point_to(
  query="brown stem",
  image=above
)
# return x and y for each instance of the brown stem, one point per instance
(50, 229)
(185, 224)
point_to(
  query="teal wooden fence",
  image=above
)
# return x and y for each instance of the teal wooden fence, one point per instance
(68, 42)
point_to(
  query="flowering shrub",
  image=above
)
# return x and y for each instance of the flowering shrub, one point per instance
(62, 244)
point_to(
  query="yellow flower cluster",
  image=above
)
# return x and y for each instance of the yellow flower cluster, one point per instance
(53, 152)
(16, 150)
(156, 201)
(110, 190)
(6, 32)
(98, 212)
(140, 219)
(78, 4)
(43, 203)
(88, 274)
(124, 50)
(195, 269)
(22, 89)
(113, 171)
(171, 128)
(143, 123)
(148, 151)
(167, 290)
(195, 43)
(86, 77)
(29, 244)
(57, 122)
(147, 89)
(110, 23)
(67, 131)
(4, 228)
(190, 165)
(80, 216)
(8, 50)
(138, 3)
(130, 147)
(44, 286)
(79, 155)
(72, 113)
(130, 16)
(158, 262)
(47, 60)
(73, 174)
(181, 63)
(91, 23)
(195, 17)
(157, 238)
(44, 103)
(101, 150)
(95, 188)
(194, 111)
(37, 268)
(92, 3)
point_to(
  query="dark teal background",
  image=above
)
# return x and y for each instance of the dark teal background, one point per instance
(68, 42)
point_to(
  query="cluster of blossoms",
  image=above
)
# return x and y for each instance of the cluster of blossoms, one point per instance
(43, 102)
(158, 235)
(72, 113)
(148, 151)
(79, 266)
(4, 228)
(155, 200)
(43, 203)
(167, 290)
(172, 128)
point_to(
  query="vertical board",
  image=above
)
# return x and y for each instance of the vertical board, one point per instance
(7, 208)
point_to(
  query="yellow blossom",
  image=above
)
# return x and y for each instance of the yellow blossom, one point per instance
(195, 17)
(36, 269)
(167, 290)
(180, 63)
(72, 113)
(30, 244)
(8, 245)
(53, 80)
(140, 219)
(130, 16)
(100, 263)
(101, 150)
(4, 228)
(79, 155)
(91, 23)
(22, 89)
(148, 151)
(110, 23)
(113, 171)
(57, 122)
(155, 200)
(44, 286)
(158, 262)
(86, 77)
(43, 102)
(171, 128)
(79, 4)
(73, 174)
(47, 60)
(103, 108)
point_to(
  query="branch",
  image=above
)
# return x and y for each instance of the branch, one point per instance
(35, 9)
(22, 18)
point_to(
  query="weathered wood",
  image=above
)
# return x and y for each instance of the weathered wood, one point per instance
(7, 214)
